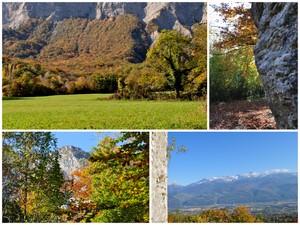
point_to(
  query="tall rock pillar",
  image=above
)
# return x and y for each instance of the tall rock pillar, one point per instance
(276, 58)
(159, 177)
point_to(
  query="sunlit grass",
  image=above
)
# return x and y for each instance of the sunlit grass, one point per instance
(87, 112)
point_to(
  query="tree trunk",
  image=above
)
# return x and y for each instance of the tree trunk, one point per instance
(178, 83)
(177, 94)
(159, 180)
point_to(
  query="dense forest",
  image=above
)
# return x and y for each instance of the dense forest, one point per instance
(237, 95)
(233, 74)
(117, 58)
(240, 214)
(114, 187)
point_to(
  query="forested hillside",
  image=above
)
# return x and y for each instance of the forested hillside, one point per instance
(78, 40)
(63, 54)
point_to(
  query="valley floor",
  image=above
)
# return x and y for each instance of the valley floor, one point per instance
(86, 111)
(266, 211)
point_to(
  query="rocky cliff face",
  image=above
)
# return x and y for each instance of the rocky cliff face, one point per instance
(104, 31)
(276, 57)
(72, 159)
(166, 15)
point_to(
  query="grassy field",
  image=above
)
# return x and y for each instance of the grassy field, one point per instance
(87, 112)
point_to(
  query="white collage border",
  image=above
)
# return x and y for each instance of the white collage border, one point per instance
(153, 130)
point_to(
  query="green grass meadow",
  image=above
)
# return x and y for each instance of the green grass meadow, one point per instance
(86, 111)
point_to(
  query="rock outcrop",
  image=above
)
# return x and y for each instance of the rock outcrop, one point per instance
(166, 15)
(276, 57)
(72, 159)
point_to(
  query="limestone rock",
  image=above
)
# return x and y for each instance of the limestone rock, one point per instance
(204, 13)
(276, 57)
(14, 14)
(72, 159)
(114, 9)
(167, 15)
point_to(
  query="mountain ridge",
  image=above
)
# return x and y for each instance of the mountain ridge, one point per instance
(270, 186)
(238, 176)
(164, 13)
(83, 38)
(243, 176)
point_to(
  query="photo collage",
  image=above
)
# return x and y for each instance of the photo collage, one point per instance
(149, 112)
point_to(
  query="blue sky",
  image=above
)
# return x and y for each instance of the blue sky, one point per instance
(230, 153)
(83, 140)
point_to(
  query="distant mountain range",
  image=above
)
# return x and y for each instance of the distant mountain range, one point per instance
(270, 186)
(72, 159)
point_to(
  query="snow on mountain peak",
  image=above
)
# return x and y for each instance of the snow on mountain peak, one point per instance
(242, 176)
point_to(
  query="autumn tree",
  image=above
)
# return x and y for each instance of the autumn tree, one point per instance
(140, 81)
(240, 214)
(233, 74)
(120, 178)
(170, 57)
(81, 185)
(197, 78)
(238, 27)
(31, 177)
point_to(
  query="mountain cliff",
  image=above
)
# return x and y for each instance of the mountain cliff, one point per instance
(72, 159)
(102, 34)
(271, 186)
(164, 14)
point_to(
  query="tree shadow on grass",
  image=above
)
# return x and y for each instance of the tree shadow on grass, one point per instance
(247, 114)
(12, 98)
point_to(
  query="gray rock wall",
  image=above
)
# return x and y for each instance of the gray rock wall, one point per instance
(167, 15)
(159, 179)
(14, 14)
(276, 57)
(72, 159)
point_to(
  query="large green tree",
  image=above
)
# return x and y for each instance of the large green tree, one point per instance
(197, 78)
(170, 57)
(120, 178)
(31, 177)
